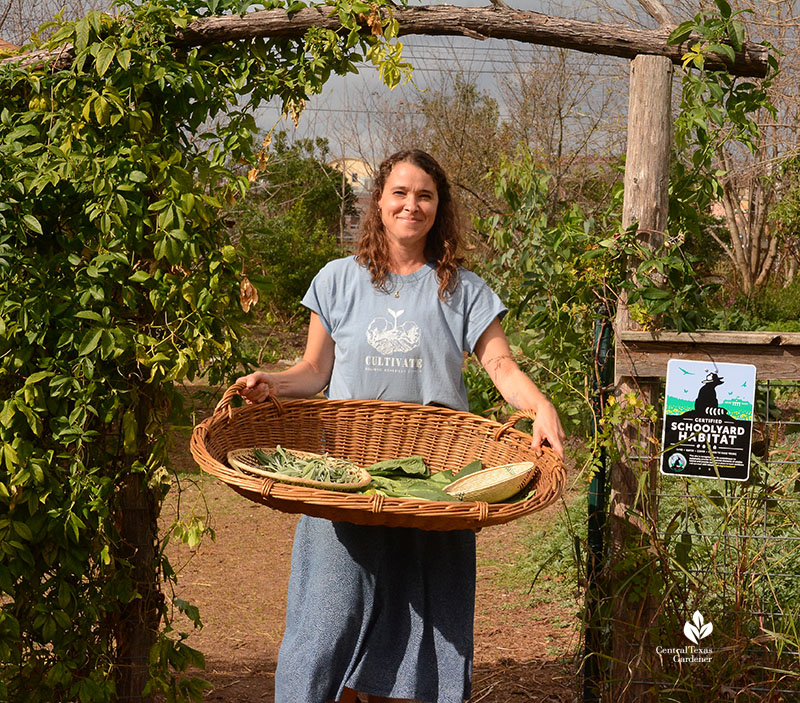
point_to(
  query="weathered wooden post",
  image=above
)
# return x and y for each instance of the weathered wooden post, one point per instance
(646, 202)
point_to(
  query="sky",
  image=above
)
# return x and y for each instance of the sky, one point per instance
(348, 111)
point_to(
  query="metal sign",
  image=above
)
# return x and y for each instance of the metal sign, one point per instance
(708, 419)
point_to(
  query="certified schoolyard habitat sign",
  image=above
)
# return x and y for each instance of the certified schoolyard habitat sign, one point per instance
(708, 419)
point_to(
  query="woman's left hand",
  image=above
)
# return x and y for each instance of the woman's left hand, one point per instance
(547, 428)
(518, 390)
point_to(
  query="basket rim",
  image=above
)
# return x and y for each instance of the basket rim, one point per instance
(550, 472)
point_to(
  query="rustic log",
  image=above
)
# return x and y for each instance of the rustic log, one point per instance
(138, 622)
(56, 59)
(476, 22)
(488, 22)
(646, 199)
(631, 510)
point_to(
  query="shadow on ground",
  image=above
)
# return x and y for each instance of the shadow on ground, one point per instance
(508, 681)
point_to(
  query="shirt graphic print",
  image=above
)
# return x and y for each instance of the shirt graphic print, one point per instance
(392, 338)
(408, 349)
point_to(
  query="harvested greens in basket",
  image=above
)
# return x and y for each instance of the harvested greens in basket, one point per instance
(407, 477)
(317, 468)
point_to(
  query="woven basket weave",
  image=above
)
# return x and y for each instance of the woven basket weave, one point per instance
(495, 484)
(365, 432)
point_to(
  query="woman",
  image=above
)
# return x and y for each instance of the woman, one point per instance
(389, 611)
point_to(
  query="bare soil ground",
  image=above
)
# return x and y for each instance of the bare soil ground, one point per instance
(239, 582)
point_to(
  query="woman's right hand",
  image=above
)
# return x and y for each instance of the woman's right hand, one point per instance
(258, 387)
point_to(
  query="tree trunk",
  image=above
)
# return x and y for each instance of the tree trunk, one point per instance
(753, 246)
(646, 202)
(476, 22)
(139, 619)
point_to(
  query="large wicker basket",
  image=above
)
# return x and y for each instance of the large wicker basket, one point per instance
(365, 432)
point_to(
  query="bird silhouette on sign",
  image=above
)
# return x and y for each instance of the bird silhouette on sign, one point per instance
(685, 372)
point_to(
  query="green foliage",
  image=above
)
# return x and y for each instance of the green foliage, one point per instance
(554, 561)
(772, 307)
(292, 219)
(717, 110)
(297, 173)
(117, 279)
(483, 397)
(288, 255)
(555, 272)
(551, 298)
(785, 214)
(778, 304)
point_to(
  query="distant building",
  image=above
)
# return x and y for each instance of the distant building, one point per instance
(358, 174)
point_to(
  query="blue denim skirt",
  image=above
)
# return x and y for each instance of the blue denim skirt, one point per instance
(384, 610)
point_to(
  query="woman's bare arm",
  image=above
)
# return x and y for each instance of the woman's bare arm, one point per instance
(303, 380)
(494, 354)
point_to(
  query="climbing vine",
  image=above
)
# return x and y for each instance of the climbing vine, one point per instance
(118, 281)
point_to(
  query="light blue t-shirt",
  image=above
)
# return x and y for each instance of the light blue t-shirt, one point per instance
(409, 347)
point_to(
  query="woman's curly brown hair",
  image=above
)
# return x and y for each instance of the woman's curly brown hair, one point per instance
(443, 245)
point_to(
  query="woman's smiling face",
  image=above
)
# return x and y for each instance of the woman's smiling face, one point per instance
(408, 204)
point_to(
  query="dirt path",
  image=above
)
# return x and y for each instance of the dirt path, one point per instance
(239, 583)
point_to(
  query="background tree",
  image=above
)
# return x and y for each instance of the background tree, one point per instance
(292, 218)
(562, 108)
(567, 110)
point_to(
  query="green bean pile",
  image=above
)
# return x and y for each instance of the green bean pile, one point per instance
(319, 468)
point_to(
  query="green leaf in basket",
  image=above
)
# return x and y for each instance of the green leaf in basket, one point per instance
(427, 491)
(407, 487)
(315, 468)
(522, 495)
(264, 458)
(442, 478)
(471, 468)
(386, 486)
(410, 466)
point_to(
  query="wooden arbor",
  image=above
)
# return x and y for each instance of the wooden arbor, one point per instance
(646, 174)
(649, 123)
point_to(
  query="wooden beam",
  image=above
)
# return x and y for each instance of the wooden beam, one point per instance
(646, 199)
(776, 355)
(442, 20)
(649, 142)
(482, 23)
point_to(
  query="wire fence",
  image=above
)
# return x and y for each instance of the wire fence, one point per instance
(711, 585)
